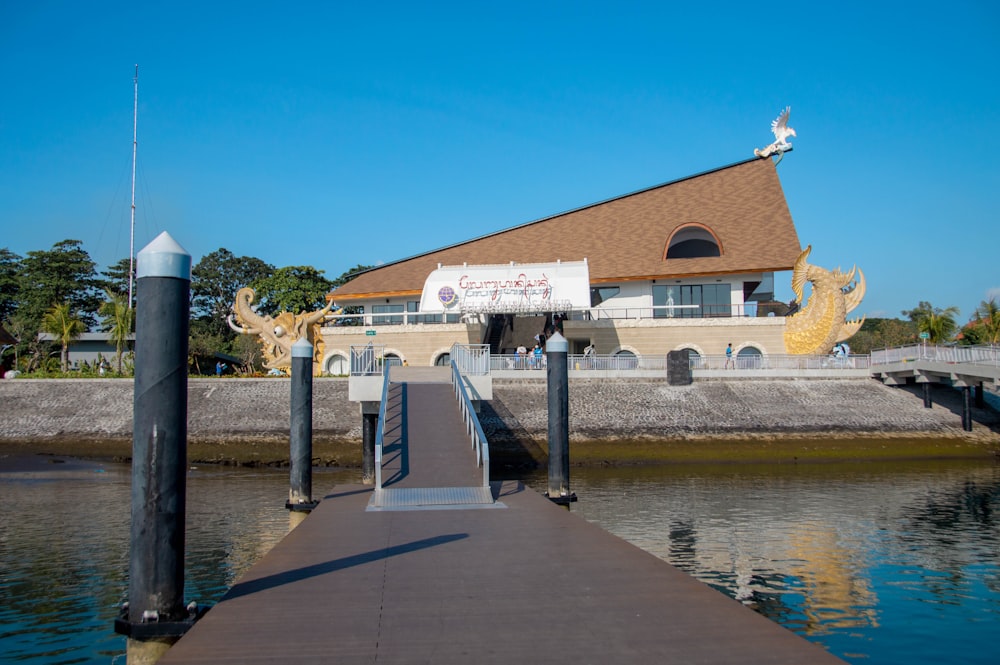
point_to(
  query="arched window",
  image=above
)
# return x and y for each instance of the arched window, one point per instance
(443, 360)
(692, 241)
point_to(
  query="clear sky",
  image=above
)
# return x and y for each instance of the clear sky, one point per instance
(334, 133)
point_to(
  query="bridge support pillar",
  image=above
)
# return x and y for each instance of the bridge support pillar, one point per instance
(927, 395)
(557, 376)
(369, 429)
(980, 398)
(967, 408)
(300, 488)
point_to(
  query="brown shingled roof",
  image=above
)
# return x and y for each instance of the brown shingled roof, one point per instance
(625, 238)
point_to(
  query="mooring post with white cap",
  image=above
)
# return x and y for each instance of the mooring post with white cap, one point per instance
(155, 615)
(300, 491)
(557, 375)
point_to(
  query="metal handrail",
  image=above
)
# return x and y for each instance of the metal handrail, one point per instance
(473, 428)
(974, 355)
(627, 362)
(380, 431)
(471, 359)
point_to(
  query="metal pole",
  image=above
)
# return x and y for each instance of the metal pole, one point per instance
(155, 616)
(557, 376)
(967, 408)
(368, 434)
(300, 492)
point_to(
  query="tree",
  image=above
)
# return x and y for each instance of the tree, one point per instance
(60, 322)
(118, 321)
(984, 326)
(214, 283)
(116, 277)
(292, 289)
(9, 282)
(64, 274)
(350, 274)
(883, 334)
(938, 323)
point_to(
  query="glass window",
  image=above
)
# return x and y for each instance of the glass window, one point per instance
(386, 320)
(708, 300)
(601, 293)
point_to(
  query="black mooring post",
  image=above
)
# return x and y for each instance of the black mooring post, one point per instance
(300, 490)
(557, 376)
(927, 395)
(155, 616)
(967, 408)
(368, 434)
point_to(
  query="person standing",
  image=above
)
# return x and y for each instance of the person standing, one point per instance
(729, 356)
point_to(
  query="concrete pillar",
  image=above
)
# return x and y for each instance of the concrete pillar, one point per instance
(156, 615)
(368, 433)
(980, 397)
(927, 395)
(557, 376)
(300, 490)
(967, 408)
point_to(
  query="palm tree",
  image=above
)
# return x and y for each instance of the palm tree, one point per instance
(60, 322)
(987, 316)
(938, 323)
(118, 319)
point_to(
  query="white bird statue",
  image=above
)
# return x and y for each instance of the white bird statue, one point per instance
(781, 131)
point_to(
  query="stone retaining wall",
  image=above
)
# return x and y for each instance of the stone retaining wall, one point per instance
(599, 409)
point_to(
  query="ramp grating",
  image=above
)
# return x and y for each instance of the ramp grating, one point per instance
(433, 498)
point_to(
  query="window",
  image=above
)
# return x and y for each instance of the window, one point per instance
(601, 293)
(692, 242)
(708, 300)
(749, 357)
(386, 320)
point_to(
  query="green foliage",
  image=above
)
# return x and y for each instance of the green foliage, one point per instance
(984, 326)
(9, 282)
(118, 320)
(938, 323)
(292, 289)
(65, 327)
(350, 274)
(64, 274)
(116, 277)
(883, 334)
(215, 281)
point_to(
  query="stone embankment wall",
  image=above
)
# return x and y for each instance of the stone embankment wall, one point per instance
(249, 409)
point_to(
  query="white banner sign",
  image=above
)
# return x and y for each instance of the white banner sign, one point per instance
(526, 287)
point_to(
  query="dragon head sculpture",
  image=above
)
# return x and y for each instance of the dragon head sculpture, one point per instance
(277, 333)
(819, 325)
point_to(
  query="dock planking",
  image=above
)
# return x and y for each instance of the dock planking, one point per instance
(528, 583)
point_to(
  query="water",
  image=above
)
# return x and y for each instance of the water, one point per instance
(881, 564)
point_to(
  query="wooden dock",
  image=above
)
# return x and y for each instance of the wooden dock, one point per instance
(517, 579)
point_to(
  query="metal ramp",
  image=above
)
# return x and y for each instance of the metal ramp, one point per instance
(427, 458)
(433, 498)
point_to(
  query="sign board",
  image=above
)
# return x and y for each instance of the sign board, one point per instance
(370, 333)
(925, 335)
(508, 289)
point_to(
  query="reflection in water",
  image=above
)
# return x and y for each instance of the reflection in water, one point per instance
(881, 564)
(64, 543)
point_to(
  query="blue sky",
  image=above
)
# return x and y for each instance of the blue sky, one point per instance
(332, 134)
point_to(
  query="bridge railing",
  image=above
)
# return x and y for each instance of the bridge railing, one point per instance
(380, 430)
(974, 355)
(629, 361)
(473, 359)
(473, 428)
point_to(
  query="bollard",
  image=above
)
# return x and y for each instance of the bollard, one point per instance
(155, 615)
(368, 434)
(557, 378)
(300, 491)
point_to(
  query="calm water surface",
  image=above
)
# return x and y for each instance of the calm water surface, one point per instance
(880, 564)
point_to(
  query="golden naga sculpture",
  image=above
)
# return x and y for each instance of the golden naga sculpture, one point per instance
(823, 321)
(278, 333)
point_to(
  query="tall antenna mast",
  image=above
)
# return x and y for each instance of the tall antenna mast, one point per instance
(131, 237)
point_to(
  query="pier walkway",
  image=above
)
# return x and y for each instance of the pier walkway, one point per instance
(448, 582)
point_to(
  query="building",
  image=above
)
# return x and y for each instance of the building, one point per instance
(688, 264)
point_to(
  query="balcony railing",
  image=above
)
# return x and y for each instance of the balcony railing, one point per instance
(975, 355)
